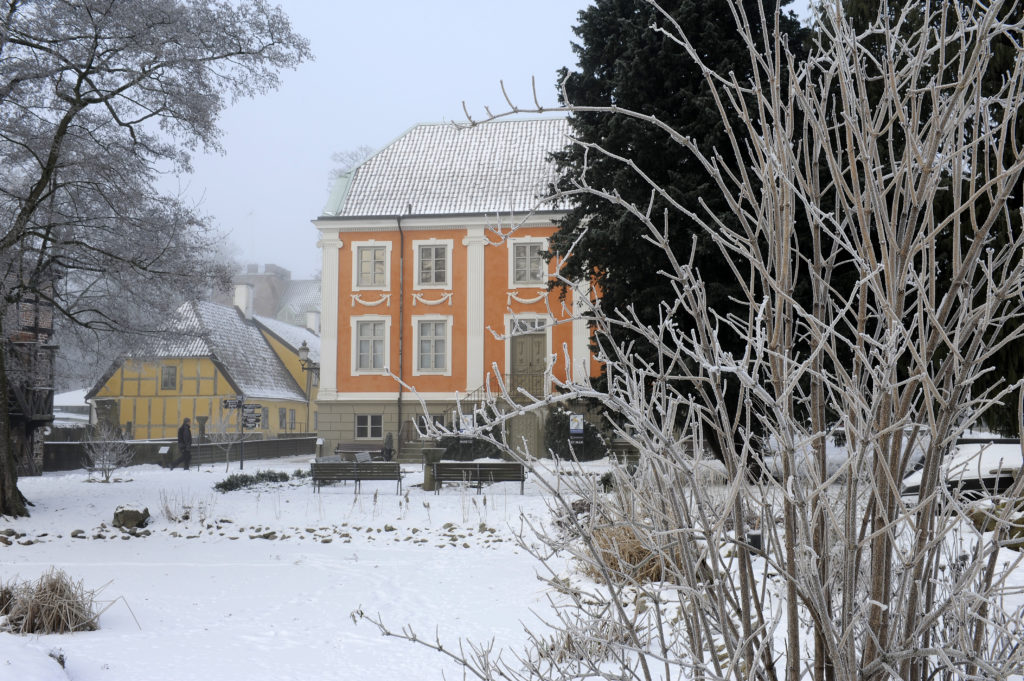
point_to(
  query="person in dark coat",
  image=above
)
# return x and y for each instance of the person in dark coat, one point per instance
(184, 445)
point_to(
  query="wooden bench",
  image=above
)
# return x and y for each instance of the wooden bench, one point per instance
(479, 472)
(355, 471)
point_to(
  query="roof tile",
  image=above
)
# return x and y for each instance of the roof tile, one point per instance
(442, 169)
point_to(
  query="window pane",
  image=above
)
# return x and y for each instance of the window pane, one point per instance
(371, 266)
(433, 265)
(370, 345)
(440, 264)
(426, 269)
(528, 266)
(433, 345)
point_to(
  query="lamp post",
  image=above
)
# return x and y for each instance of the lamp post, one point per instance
(309, 368)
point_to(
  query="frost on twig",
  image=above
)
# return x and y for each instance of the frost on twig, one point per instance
(880, 187)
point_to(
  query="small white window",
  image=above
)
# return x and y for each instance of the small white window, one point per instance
(369, 426)
(432, 348)
(528, 265)
(370, 343)
(433, 351)
(433, 265)
(371, 263)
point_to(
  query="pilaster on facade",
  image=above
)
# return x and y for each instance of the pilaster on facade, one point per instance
(330, 248)
(581, 308)
(475, 241)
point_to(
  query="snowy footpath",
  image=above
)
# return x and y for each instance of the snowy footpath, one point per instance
(261, 583)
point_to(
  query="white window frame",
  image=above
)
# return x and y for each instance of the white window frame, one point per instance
(356, 247)
(448, 245)
(369, 426)
(356, 371)
(525, 241)
(165, 370)
(449, 323)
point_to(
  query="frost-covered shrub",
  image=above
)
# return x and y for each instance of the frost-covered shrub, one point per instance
(238, 481)
(106, 452)
(179, 508)
(464, 449)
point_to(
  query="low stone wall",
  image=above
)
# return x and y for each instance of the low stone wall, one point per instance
(66, 456)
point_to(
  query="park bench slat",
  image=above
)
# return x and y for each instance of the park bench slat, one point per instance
(479, 473)
(356, 471)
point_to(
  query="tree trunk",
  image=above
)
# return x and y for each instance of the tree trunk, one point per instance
(11, 500)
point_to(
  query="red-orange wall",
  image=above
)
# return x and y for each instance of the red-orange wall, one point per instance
(496, 306)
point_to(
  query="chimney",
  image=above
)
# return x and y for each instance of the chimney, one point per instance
(313, 322)
(243, 299)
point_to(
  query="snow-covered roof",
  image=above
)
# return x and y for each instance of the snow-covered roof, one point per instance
(292, 336)
(203, 329)
(441, 169)
(302, 296)
(71, 398)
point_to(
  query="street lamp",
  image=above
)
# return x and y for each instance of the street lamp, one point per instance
(310, 369)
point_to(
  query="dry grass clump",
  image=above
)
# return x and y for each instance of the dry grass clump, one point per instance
(55, 604)
(637, 559)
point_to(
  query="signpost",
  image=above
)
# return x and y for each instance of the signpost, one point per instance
(576, 434)
(251, 415)
(248, 417)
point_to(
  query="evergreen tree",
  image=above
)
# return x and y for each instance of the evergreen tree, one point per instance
(623, 60)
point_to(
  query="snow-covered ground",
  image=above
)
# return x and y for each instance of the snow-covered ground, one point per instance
(261, 583)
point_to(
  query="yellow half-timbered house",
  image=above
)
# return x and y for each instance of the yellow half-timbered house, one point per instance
(211, 353)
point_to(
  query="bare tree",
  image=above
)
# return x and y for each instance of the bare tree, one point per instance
(347, 160)
(97, 99)
(848, 579)
(227, 435)
(107, 452)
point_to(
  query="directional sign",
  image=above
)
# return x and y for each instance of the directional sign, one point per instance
(231, 402)
(250, 421)
(248, 409)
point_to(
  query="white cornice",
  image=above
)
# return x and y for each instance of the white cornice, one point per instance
(340, 225)
(410, 398)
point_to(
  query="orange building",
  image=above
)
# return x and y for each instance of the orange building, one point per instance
(434, 280)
